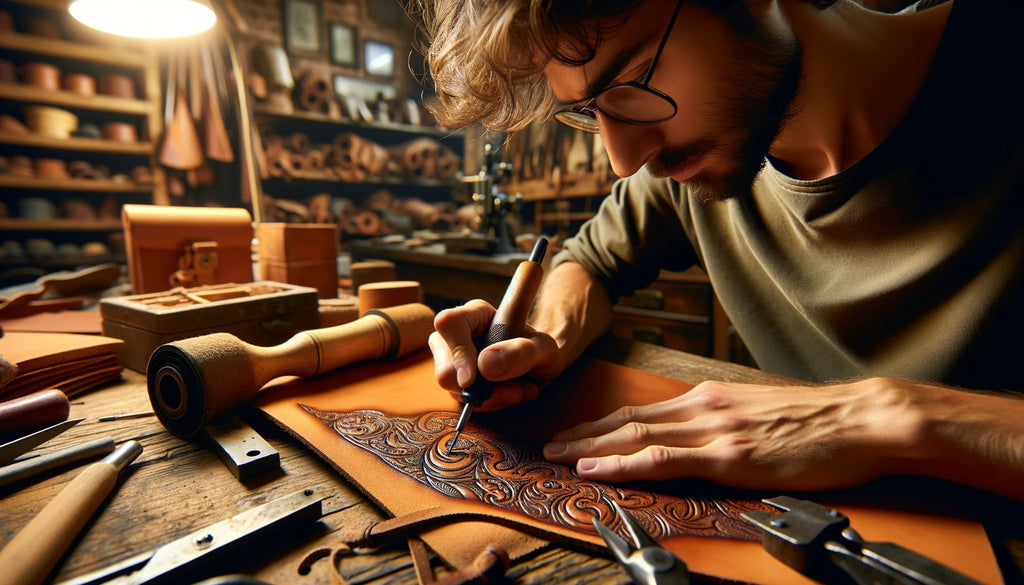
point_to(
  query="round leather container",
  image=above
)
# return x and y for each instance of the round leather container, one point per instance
(41, 75)
(117, 85)
(50, 168)
(120, 132)
(391, 293)
(79, 83)
(8, 73)
(51, 122)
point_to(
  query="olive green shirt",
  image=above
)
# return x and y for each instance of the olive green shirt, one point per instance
(907, 264)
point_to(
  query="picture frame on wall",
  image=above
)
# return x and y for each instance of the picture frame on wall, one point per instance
(343, 45)
(302, 34)
(378, 58)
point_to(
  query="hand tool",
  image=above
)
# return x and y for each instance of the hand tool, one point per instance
(20, 470)
(509, 321)
(198, 380)
(23, 415)
(29, 557)
(207, 548)
(10, 450)
(819, 542)
(645, 561)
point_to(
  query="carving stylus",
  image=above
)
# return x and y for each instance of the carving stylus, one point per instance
(509, 322)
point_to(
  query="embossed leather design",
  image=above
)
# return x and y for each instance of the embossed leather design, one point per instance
(385, 426)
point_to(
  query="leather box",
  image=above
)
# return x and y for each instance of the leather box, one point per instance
(303, 254)
(186, 246)
(262, 313)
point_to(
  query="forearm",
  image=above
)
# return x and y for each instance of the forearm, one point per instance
(573, 308)
(975, 439)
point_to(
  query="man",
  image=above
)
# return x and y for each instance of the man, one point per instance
(850, 180)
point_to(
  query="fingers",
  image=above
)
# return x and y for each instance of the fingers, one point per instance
(451, 343)
(659, 462)
(520, 365)
(675, 410)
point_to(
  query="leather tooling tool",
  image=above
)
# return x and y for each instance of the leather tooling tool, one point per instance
(819, 542)
(196, 381)
(208, 548)
(10, 450)
(645, 561)
(24, 469)
(34, 551)
(508, 322)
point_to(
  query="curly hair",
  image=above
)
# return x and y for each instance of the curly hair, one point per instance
(487, 57)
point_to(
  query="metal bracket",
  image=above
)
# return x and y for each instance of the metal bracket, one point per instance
(245, 453)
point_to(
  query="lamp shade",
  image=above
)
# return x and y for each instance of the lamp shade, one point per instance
(147, 19)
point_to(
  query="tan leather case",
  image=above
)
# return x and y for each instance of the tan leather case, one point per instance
(160, 240)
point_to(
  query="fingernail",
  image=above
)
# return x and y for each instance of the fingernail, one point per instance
(494, 362)
(462, 375)
(586, 465)
(555, 449)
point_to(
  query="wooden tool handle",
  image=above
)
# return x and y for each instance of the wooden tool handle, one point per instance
(30, 556)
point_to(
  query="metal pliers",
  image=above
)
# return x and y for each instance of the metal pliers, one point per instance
(645, 561)
(820, 543)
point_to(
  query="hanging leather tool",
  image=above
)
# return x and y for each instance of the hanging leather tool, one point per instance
(181, 148)
(218, 145)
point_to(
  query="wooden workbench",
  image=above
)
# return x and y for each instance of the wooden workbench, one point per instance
(176, 487)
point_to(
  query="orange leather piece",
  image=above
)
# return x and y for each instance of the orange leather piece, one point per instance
(397, 458)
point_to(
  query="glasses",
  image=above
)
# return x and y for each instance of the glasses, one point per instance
(635, 102)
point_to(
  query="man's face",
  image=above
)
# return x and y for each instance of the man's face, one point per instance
(733, 92)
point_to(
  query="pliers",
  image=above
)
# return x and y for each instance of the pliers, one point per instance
(645, 561)
(819, 542)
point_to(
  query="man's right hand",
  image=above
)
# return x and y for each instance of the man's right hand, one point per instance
(521, 365)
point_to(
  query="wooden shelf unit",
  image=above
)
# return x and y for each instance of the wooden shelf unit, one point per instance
(79, 50)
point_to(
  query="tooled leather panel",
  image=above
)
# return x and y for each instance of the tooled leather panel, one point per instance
(493, 468)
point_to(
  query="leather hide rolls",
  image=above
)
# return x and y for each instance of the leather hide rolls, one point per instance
(313, 93)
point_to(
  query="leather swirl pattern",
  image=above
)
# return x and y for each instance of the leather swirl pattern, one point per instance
(489, 467)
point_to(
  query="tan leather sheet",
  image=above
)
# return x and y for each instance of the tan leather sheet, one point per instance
(386, 426)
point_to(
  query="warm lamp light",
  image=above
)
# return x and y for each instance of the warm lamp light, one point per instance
(148, 19)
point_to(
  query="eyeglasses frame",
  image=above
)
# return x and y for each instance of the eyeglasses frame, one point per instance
(643, 83)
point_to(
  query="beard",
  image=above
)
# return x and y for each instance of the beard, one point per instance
(760, 94)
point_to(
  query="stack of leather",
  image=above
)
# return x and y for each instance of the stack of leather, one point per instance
(70, 362)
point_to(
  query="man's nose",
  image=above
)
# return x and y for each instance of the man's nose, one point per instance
(628, 145)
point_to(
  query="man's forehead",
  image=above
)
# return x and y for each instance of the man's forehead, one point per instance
(618, 49)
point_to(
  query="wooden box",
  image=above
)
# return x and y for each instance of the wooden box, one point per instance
(303, 254)
(262, 313)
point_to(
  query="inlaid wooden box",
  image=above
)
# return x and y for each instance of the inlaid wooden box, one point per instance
(262, 313)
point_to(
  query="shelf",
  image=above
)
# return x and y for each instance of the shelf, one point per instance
(572, 186)
(375, 181)
(61, 225)
(104, 103)
(82, 185)
(75, 51)
(60, 263)
(78, 144)
(391, 127)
